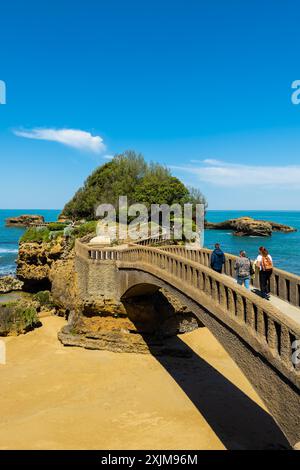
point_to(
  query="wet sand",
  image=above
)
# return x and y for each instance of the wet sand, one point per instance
(53, 397)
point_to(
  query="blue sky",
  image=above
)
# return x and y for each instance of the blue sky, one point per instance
(203, 87)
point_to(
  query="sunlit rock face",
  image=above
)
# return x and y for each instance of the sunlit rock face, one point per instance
(144, 324)
(247, 226)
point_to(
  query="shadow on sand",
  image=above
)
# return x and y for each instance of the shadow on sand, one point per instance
(235, 418)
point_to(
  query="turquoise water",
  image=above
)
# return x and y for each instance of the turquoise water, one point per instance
(9, 237)
(283, 247)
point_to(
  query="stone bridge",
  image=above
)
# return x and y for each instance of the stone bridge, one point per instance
(258, 335)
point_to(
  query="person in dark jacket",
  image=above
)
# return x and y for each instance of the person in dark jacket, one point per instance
(217, 259)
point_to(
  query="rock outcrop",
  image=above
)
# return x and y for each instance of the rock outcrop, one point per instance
(34, 263)
(247, 226)
(143, 325)
(18, 317)
(24, 220)
(9, 284)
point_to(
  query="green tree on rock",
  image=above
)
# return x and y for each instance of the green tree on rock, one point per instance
(129, 175)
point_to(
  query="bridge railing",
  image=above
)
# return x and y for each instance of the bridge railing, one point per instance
(244, 311)
(284, 285)
(274, 330)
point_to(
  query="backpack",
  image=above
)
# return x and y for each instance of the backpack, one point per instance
(243, 268)
(266, 263)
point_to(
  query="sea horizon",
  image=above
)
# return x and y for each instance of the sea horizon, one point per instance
(282, 246)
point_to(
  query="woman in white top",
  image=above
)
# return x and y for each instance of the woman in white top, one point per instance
(265, 264)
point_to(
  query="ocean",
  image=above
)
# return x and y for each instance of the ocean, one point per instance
(283, 247)
(9, 237)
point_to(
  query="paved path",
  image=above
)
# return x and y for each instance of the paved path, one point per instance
(285, 307)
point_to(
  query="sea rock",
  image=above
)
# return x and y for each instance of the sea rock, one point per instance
(62, 276)
(121, 342)
(34, 262)
(143, 325)
(24, 220)
(247, 226)
(18, 317)
(9, 284)
(64, 220)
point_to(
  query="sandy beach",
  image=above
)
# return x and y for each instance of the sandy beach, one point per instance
(53, 397)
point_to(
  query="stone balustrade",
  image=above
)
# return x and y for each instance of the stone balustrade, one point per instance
(247, 312)
(284, 285)
(261, 338)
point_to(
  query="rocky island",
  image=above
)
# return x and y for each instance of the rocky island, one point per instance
(247, 226)
(24, 220)
(46, 265)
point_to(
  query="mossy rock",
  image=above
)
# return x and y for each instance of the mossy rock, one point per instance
(18, 317)
(45, 299)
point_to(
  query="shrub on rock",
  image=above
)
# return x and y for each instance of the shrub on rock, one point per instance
(17, 318)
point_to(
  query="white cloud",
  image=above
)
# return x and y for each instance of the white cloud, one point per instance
(75, 138)
(222, 173)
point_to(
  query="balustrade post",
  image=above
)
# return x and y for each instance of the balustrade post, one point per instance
(231, 302)
(272, 335)
(214, 290)
(261, 323)
(250, 320)
(240, 308)
(285, 346)
(223, 296)
(207, 284)
(195, 278)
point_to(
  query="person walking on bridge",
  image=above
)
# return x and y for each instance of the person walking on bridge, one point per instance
(265, 264)
(217, 259)
(243, 269)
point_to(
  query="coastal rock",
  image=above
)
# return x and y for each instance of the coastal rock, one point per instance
(18, 317)
(141, 325)
(34, 263)
(63, 220)
(276, 227)
(122, 342)
(62, 277)
(247, 226)
(24, 220)
(9, 284)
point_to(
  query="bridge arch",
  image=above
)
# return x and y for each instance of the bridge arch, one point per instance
(256, 335)
(140, 289)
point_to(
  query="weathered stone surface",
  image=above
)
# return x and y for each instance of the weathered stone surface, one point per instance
(63, 219)
(34, 263)
(24, 220)
(137, 325)
(63, 283)
(18, 317)
(9, 284)
(118, 341)
(247, 226)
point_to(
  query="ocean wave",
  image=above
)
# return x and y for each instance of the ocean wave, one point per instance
(7, 269)
(8, 250)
